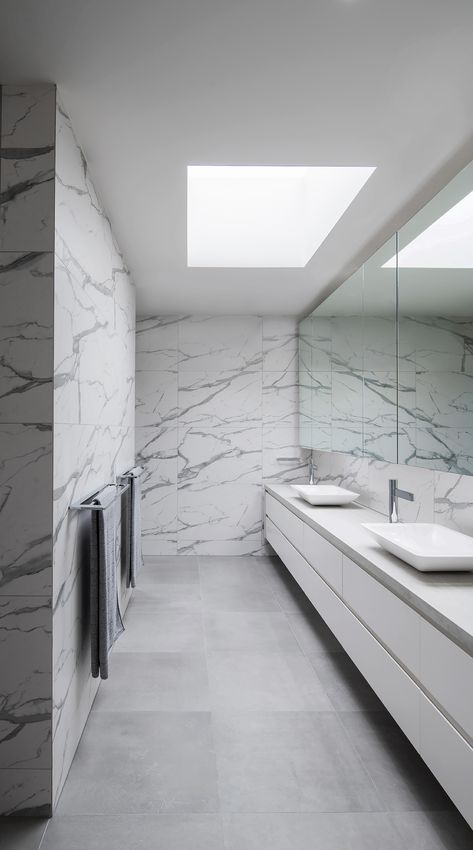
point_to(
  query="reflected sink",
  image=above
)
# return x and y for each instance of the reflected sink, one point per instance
(324, 494)
(425, 545)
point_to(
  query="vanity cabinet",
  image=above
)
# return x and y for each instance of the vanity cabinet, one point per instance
(423, 678)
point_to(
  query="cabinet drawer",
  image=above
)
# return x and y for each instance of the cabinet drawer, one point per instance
(446, 671)
(323, 599)
(396, 625)
(285, 520)
(393, 686)
(323, 557)
(449, 757)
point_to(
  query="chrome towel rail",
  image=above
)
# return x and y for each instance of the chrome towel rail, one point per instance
(131, 474)
(87, 503)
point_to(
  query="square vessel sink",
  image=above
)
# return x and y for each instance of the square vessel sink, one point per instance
(425, 545)
(324, 494)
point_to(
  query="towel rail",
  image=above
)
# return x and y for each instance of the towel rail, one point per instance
(87, 505)
(128, 476)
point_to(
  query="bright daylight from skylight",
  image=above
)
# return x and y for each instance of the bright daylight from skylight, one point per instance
(265, 216)
(446, 244)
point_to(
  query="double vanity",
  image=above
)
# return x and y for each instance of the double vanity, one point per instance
(410, 633)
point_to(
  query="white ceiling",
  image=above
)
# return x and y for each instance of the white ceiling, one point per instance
(155, 85)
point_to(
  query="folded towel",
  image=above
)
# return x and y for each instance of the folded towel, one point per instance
(105, 619)
(134, 511)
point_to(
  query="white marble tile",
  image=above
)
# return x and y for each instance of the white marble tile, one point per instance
(280, 398)
(27, 200)
(232, 342)
(25, 682)
(219, 455)
(83, 230)
(25, 510)
(156, 343)
(84, 341)
(28, 116)
(25, 792)
(94, 421)
(156, 398)
(26, 337)
(347, 412)
(219, 398)
(280, 344)
(453, 499)
(283, 458)
(219, 512)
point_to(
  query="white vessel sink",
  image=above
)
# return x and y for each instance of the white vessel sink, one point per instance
(425, 545)
(324, 494)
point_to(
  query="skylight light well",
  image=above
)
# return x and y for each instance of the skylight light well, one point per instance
(265, 216)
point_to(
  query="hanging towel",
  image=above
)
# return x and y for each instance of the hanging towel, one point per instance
(134, 513)
(106, 623)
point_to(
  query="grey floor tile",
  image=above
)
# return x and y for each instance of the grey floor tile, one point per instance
(143, 762)
(21, 833)
(347, 831)
(167, 597)
(238, 598)
(134, 832)
(312, 634)
(155, 681)
(433, 830)
(246, 631)
(161, 631)
(347, 688)
(264, 681)
(402, 779)
(289, 762)
(240, 572)
(169, 571)
(283, 587)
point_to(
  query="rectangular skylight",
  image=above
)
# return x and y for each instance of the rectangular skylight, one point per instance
(256, 216)
(446, 244)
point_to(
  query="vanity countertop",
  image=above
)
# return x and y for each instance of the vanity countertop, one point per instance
(445, 599)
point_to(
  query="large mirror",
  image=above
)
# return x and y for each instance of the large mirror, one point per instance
(347, 361)
(435, 273)
(386, 362)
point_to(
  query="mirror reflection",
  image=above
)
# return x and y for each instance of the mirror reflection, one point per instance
(386, 362)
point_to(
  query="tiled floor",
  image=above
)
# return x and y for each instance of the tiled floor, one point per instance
(233, 720)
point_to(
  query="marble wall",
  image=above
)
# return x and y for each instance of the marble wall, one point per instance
(27, 118)
(94, 375)
(216, 413)
(443, 497)
(66, 427)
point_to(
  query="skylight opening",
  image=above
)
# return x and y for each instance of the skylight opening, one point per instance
(265, 216)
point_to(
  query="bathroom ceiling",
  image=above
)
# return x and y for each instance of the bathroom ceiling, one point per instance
(156, 85)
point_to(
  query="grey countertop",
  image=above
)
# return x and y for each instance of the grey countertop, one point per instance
(445, 599)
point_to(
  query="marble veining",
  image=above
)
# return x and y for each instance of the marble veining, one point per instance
(94, 367)
(216, 414)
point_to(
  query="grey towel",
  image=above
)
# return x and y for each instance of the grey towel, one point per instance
(136, 557)
(105, 619)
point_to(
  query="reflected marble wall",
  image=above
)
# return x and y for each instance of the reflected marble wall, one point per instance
(347, 372)
(216, 410)
(437, 425)
(441, 497)
(26, 445)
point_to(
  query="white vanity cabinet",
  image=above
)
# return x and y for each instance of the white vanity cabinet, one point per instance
(424, 679)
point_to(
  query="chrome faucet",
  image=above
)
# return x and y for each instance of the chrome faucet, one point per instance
(394, 494)
(311, 471)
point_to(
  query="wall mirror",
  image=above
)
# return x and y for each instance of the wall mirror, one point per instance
(435, 274)
(386, 361)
